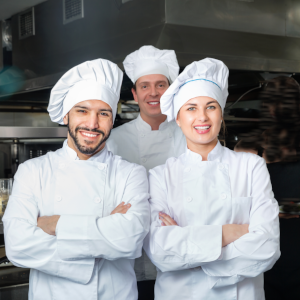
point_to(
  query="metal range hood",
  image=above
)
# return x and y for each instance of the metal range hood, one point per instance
(247, 35)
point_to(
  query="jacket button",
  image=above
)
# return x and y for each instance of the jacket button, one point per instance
(223, 196)
(189, 199)
(62, 166)
(221, 167)
(58, 198)
(144, 160)
(142, 135)
(170, 135)
(101, 167)
(97, 200)
(187, 169)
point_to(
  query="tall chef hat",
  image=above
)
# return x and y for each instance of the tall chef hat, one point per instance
(99, 79)
(206, 77)
(150, 60)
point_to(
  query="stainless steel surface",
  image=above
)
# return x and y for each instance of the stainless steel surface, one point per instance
(262, 17)
(14, 286)
(6, 35)
(32, 132)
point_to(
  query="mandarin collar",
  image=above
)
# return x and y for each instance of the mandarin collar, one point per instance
(101, 156)
(144, 126)
(214, 155)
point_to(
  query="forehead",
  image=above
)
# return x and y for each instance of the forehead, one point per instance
(93, 104)
(152, 78)
(201, 100)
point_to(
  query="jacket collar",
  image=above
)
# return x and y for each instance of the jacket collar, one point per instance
(144, 126)
(101, 156)
(214, 155)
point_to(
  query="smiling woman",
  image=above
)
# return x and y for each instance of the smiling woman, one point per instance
(214, 220)
(89, 126)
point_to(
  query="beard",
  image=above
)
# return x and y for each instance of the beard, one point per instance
(86, 149)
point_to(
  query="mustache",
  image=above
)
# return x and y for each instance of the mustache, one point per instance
(91, 130)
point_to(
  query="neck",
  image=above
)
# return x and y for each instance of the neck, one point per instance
(80, 155)
(153, 121)
(202, 149)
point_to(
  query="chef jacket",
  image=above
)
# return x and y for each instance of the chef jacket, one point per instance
(92, 255)
(136, 142)
(201, 196)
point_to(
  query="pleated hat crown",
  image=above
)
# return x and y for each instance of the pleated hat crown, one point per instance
(99, 79)
(150, 60)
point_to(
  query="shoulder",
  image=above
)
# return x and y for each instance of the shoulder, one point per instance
(168, 166)
(243, 158)
(124, 167)
(123, 128)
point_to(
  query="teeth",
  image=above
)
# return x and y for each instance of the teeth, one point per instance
(202, 127)
(153, 103)
(89, 135)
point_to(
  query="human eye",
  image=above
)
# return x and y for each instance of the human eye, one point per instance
(211, 107)
(104, 114)
(81, 111)
(191, 108)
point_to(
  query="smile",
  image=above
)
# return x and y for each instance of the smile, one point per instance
(90, 135)
(153, 103)
(202, 129)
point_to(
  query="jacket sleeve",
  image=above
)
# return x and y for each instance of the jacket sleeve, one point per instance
(27, 245)
(173, 248)
(115, 236)
(257, 251)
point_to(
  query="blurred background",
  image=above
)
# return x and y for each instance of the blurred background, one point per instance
(40, 40)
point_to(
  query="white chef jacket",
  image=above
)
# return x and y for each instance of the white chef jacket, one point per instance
(136, 142)
(92, 255)
(201, 196)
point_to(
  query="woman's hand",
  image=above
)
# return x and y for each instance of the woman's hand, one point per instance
(122, 208)
(232, 232)
(166, 220)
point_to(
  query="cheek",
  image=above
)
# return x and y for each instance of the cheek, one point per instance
(186, 120)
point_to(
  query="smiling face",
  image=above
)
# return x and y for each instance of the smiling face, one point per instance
(89, 125)
(149, 89)
(200, 120)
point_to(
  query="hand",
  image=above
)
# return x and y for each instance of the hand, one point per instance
(48, 224)
(232, 232)
(166, 220)
(122, 208)
(287, 216)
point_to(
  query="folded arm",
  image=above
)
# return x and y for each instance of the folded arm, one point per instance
(257, 251)
(115, 236)
(27, 245)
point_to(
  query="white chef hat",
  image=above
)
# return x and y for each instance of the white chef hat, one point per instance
(150, 60)
(206, 77)
(98, 79)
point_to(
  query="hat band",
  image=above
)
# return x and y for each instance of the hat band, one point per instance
(200, 79)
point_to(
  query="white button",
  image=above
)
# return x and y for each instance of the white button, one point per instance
(144, 160)
(97, 200)
(187, 169)
(221, 167)
(223, 196)
(142, 135)
(62, 166)
(189, 199)
(101, 167)
(170, 135)
(58, 198)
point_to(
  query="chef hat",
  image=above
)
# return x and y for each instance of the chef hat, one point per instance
(206, 77)
(150, 60)
(99, 79)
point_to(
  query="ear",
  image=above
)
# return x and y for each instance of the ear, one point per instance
(178, 120)
(133, 91)
(66, 119)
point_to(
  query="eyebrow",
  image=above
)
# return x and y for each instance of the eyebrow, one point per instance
(87, 108)
(194, 104)
(145, 82)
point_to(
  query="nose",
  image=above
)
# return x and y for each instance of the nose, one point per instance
(202, 115)
(92, 121)
(153, 91)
